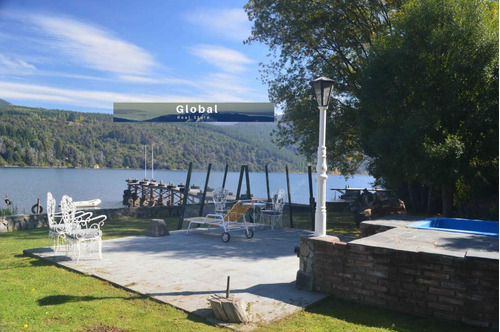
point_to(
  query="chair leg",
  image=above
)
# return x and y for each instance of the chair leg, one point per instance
(56, 243)
(69, 248)
(78, 245)
(99, 243)
(189, 226)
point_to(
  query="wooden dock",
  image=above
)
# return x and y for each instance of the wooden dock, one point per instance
(351, 194)
(152, 193)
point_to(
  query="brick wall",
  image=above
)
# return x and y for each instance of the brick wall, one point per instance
(432, 285)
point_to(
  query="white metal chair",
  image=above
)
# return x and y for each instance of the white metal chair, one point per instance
(56, 225)
(82, 232)
(220, 199)
(275, 211)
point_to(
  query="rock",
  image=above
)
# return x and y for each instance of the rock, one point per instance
(230, 309)
(365, 214)
(388, 207)
(32, 224)
(10, 225)
(3, 226)
(24, 225)
(370, 206)
(17, 218)
(304, 281)
(157, 227)
(304, 249)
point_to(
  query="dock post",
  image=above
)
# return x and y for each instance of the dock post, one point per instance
(312, 203)
(289, 196)
(249, 194)
(204, 195)
(238, 191)
(225, 176)
(247, 178)
(185, 197)
(267, 185)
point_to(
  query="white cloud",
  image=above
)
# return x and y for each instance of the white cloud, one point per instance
(225, 82)
(139, 79)
(229, 23)
(94, 47)
(82, 98)
(159, 80)
(222, 57)
(15, 64)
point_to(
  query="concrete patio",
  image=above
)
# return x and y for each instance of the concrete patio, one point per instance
(185, 270)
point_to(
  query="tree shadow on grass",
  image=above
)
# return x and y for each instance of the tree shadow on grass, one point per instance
(369, 316)
(63, 299)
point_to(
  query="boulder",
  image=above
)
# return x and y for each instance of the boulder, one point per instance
(157, 227)
(369, 207)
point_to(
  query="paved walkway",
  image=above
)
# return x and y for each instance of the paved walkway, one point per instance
(185, 270)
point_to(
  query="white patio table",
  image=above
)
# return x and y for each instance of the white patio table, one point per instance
(254, 204)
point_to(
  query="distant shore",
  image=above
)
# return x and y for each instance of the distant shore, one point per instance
(159, 169)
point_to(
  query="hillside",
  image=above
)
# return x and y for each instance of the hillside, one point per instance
(4, 103)
(58, 138)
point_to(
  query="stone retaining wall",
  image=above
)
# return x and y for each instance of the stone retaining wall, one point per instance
(455, 288)
(20, 222)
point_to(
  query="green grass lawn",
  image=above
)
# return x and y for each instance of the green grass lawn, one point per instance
(337, 222)
(38, 296)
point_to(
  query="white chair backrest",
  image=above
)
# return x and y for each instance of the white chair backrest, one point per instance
(278, 200)
(51, 209)
(68, 213)
(220, 199)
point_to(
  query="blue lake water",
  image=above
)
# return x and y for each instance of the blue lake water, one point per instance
(25, 185)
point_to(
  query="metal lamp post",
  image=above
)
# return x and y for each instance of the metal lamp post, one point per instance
(322, 88)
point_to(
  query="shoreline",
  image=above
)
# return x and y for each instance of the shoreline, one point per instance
(169, 170)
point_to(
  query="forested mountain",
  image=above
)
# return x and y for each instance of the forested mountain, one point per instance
(58, 138)
(4, 103)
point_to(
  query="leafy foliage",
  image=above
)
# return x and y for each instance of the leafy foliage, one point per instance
(429, 99)
(40, 137)
(416, 89)
(309, 39)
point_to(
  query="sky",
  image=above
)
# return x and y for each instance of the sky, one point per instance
(86, 55)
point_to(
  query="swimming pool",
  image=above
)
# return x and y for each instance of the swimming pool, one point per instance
(467, 226)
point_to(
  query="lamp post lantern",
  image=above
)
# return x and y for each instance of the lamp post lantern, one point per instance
(322, 88)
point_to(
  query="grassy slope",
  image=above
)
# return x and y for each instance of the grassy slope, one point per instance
(38, 296)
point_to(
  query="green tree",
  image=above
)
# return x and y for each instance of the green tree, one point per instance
(318, 38)
(429, 99)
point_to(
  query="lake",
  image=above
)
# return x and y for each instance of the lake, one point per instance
(25, 185)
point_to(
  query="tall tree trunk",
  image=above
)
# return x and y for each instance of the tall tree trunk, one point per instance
(447, 199)
(429, 199)
(411, 197)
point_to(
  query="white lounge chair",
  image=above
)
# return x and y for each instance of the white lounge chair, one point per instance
(233, 220)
